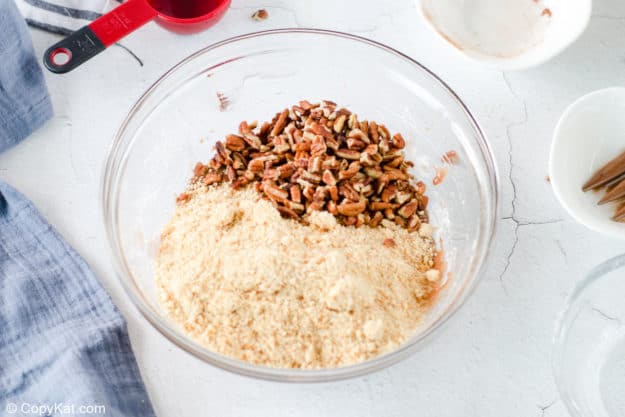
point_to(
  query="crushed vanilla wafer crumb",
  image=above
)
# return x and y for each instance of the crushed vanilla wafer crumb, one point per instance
(246, 283)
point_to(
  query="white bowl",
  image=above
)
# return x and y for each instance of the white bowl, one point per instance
(507, 34)
(590, 133)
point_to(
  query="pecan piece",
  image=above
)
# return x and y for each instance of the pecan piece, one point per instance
(280, 123)
(374, 172)
(388, 193)
(246, 131)
(315, 164)
(395, 174)
(287, 212)
(200, 170)
(320, 195)
(373, 132)
(330, 163)
(398, 141)
(235, 143)
(331, 207)
(223, 153)
(321, 130)
(310, 177)
(348, 154)
(274, 192)
(212, 178)
(376, 219)
(339, 123)
(347, 191)
(408, 209)
(295, 192)
(351, 209)
(318, 146)
(285, 171)
(358, 134)
(256, 165)
(328, 177)
(355, 144)
(333, 191)
(381, 205)
(260, 14)
(414, 223)
(353, 169)
(183, 198)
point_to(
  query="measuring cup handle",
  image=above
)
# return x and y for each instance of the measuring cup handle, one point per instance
(77, 48)
(90, 40)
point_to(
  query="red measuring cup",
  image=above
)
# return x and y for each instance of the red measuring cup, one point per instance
(180, 16)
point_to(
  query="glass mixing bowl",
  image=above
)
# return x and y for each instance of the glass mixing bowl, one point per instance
(177, 121)
(589, 344)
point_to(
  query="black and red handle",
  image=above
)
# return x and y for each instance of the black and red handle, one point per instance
(90, 40)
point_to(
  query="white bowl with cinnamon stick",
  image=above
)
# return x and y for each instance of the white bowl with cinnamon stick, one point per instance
(587, 162)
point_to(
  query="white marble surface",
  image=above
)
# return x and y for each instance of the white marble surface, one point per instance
(493, 358)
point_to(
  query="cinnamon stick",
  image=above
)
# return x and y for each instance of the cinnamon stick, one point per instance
(610, 171)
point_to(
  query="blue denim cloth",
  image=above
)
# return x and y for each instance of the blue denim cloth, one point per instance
(24, 101)
(62, 341)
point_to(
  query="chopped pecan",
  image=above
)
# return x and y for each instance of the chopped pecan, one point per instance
(408, 209)
(235, 143)
(318, 146)
(339, 123)
(351, 209)
(398, 141)
(348, 154)
(333, 191)
(352, 170)
(347, 191)
(356, 144)
(183, 198)
(328, 177)
(287, 212)
(313, 156)
(274, 192)
(295, 192)
(280, 123)
(381, 205)
(200, 170)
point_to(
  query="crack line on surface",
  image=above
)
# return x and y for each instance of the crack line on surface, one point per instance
(607, 317)
(543, 408)
(532, 223)
(517, 222)
(562, 251)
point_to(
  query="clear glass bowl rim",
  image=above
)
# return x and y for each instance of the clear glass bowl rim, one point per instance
(487, 231)
(565, 320)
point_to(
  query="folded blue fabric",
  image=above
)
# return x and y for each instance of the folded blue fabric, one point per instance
(61, 339)
(64, 347)
(24, 101)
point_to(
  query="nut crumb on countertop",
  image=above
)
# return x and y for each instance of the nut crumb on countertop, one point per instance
(247, 283)
(260, 14)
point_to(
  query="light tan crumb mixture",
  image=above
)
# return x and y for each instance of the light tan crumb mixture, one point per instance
(246, 283)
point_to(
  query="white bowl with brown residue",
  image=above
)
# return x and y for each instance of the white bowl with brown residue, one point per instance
(507, 34)
(590, 133)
